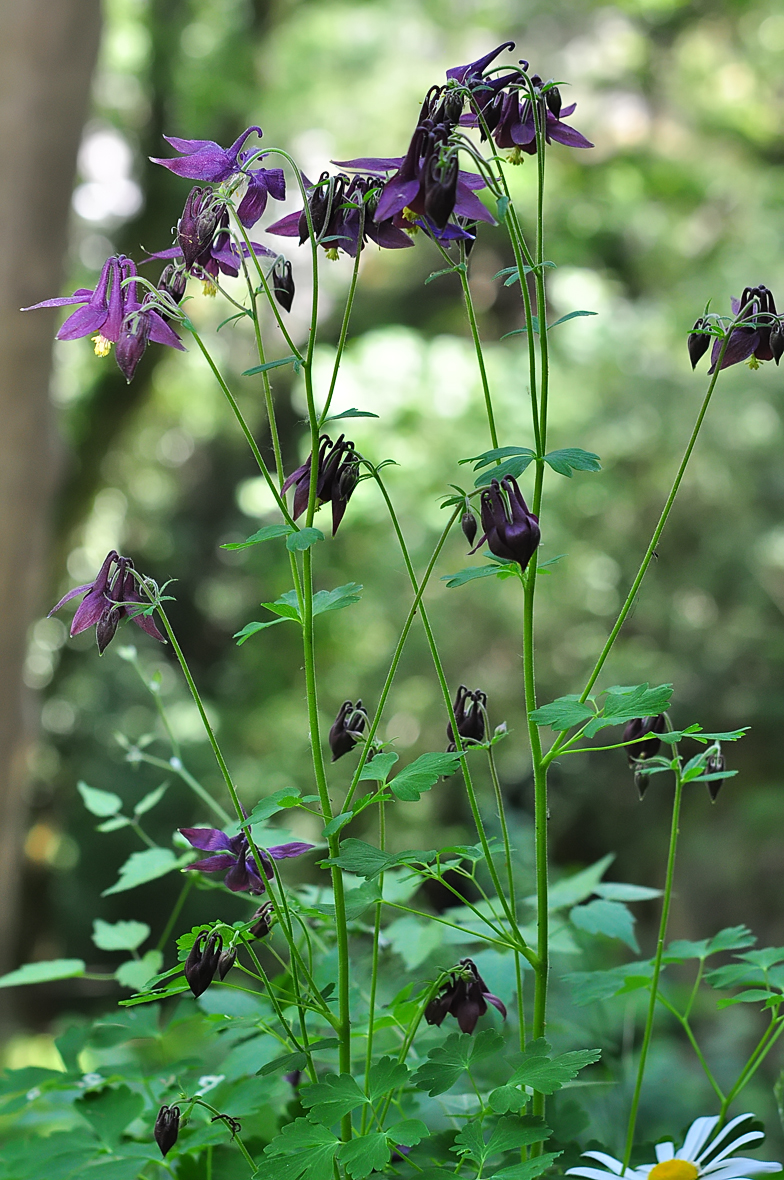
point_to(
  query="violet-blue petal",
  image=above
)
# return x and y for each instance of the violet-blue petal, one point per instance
(214, 864)
(80, 296)
(83, 322)
(243, 878)
(371, 163)
(467, 204)
(147, 623)
(569, 136)
(284, 851)
(89, 611)
(118, 297)
(287, 227)
(494, 1000)
(742, 343)
(477, 68)
(396, 195)
(388, 235)
(207, 839)
(67, 597)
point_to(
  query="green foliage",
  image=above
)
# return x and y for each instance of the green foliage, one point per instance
(149, 865)
(331, 1098)
(299, 541)
(267, 533)
(102, 803)
(302, 1148)
(572, 459)
(459, 1052)
(611, 918)
(119, 936)
(43, 972)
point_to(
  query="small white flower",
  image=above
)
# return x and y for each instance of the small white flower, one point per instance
(209, 1082)
(693, 1160)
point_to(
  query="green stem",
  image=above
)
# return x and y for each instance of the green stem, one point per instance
(499, 798)
(684, 1022)
(281, 503)
(346, 318)
(764, 1046)
(266, 383)
(175, 764)
(657, 962)
(382, 834)
(480, 360)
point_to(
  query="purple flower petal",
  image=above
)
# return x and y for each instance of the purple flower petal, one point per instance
(89, 611)
(204, 159)
(476, 68)
(162, 333)
(83, 322)
(287, 227)
(467, 204)
(396, 196)
(214, 864)
(67, 597)
(371, 163)
(566, 135)
(284, 851)
(471, 180)
(494, 1000)
(207, 839)
(147, 623)
(243, 878)
(80, 296)
(742, 343)
(388, 235)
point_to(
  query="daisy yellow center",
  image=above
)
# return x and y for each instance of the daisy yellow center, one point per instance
(101, 345)
(674, 1170)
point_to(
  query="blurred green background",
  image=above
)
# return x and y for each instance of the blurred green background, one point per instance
(680, 201)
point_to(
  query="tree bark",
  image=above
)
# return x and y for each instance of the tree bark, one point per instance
(47, 54)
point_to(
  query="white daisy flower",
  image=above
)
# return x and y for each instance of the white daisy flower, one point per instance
(693, 1160)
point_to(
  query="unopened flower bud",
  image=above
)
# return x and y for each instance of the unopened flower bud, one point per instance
(262, 921)
(132, 342)
(283, 283)
(715, 764)
(641, 732)
(468, 525)
(173, 281)
(202, 962)
(167, 1128)
(777, 341)
(641, 781)
(698, 343)
(226, 962)
(553, 98)
(440, 189)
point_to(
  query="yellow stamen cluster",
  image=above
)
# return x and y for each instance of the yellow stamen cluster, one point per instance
(409, 214)
(753, 363)
(516, 156)
(101, 345)
(332, 254)
(674, 1170)
(209, 288)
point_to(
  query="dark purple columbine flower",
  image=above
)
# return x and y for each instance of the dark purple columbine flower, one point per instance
(106, 308)
(758, 340)
(338, 475)
(132, 341)
(204, 160)
(510, 529)
(105, 599)
(465, 995)
(715, 764)
(698, 342)
(472, 73)
(262, 920)
(469, 715)
(347, 728)
(203, 960)
(167, 1128)
(515, 124)
(335, 204)
(233, 853)
(468, 525)
(226, 962)
(283, 283)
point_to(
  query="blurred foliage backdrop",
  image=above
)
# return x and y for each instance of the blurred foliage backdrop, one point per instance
(680, 201)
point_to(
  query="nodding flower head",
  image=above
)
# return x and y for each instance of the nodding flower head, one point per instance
(698, 342)
(641, 732)
(202, 961)
(758, 338)
(347, 728)
(468, 525)
(510, 529)
(515, 113)
(107, 600)
(715, 764)
(234, 856)
(202, 215)
(338, 475)
(465, 995)
(342, 212)
(469, 709)
(167, 1128)
(283, 283)
(262, 920)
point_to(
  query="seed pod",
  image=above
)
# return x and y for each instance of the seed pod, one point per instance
(167, 1128)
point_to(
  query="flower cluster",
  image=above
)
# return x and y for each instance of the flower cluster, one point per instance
(107, 600)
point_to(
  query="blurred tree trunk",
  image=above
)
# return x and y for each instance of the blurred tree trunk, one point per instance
(47, 53)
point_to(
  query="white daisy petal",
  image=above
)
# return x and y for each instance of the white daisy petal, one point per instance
(695, 1137)
(590, 1173)
(741, 1141)
(609, 1161)
(723, 1134)
(664, 1151)
(739, 1168)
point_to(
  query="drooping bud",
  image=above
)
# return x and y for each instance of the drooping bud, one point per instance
(698, 343)
(283, 283)
(440, 188)
(167, 1128)
(777, 341)
(468, 525)
(173, 281)
(318, 205)
(196, 227)
(132, 342)
(106, 627)
(553, 98)
(262, 920)
(641, 781)
(202, 962)
(347, 728)
(641, 732)
(470, 707)
(226, 962)
(715, 764)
